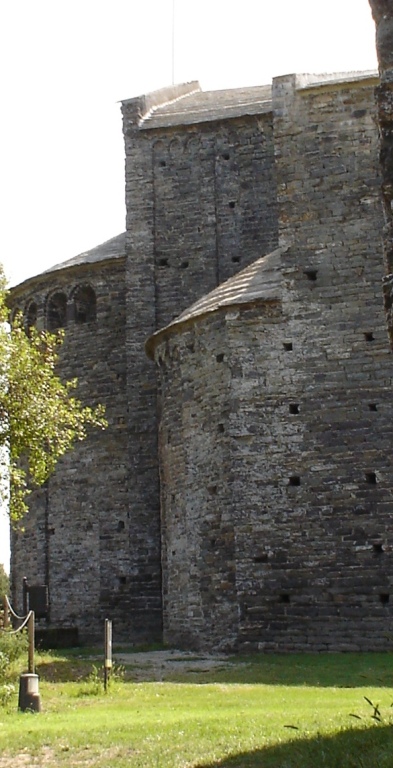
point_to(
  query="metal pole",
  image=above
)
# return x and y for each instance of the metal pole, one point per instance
(108, 652)
(173, 42)
(30, 627)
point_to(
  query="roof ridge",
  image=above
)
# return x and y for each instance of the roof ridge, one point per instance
(150, 112)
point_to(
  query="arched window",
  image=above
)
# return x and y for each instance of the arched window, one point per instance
(84, 305)
(56, 315)
(31, 316)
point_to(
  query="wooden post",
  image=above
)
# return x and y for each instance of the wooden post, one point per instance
(30, 626)
(25, 591)
(108, 652)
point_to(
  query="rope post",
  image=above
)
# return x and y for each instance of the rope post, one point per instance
(108, 652)
(30, 629)
(29, 695)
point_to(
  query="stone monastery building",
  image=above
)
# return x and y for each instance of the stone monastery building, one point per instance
(241, 496)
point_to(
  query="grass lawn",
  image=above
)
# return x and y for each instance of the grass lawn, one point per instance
(284, 711)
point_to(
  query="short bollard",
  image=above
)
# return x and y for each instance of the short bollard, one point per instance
(29, 697)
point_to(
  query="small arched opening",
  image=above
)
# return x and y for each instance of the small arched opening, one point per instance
(31, 315)
(56, 315)
(84, 305)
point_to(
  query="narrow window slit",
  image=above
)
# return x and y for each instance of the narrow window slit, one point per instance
(311, 274)
(370, 478)
(293, 408)
(294, 480)
(384, 598)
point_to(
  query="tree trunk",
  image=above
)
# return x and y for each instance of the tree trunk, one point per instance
(382, 11)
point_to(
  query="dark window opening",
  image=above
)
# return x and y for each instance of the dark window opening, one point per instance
(31, 316)
(121, 526)
(163, 263)
(122, 580)
(162, 163)
(235, 259)
(373, 406)
(369, 336)
(294, 480)
(378, 549)
(220, 428)
(232, 204)
(220, 357)
(384, 598)
(293, 408)
(288, 346)
(226, 155)
(260, 558)
(85, 305)
(370, 478)
(184, 264)
(284, 598)
(311, 274)
(57, 312)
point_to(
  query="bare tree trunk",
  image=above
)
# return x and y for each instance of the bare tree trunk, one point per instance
(382, 11)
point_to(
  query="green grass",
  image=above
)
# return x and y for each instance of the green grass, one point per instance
(271, 711)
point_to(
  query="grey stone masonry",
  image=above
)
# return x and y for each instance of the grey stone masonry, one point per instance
(276, 415)
(241, 495)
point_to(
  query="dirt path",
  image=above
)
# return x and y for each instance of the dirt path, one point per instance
(156, 664)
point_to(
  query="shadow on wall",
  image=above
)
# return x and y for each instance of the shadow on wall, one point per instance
(368, 748)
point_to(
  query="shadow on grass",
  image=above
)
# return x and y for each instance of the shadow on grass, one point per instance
(340, 670)
(345, 670)
(66, 670)
(371, 748)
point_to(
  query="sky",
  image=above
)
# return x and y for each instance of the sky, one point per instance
(66, 66)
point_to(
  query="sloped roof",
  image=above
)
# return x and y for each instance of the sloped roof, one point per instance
(115, 248)
(262, 280)
(204, 106)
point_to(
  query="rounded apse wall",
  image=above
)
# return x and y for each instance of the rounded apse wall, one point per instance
(275, 481)
(76, 534)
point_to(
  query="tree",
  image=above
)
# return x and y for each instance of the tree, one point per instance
(4, 584)
(40, 419)
(382, 11)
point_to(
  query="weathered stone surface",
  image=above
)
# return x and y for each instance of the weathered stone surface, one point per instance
(275, 472)
(244, 499)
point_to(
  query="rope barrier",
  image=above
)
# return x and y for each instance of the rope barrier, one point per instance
(23, 619)
(11, 610)
(15, 631)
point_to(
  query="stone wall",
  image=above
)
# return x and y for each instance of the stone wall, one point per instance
(79, 534)
(276, 415)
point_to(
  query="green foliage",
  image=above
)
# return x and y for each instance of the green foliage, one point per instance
(40, 420)
(282, 720)
(13, 647)
(4, 584)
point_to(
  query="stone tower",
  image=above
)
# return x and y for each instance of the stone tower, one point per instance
(241, 494)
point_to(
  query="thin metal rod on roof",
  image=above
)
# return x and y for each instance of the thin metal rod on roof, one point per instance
(173, 42)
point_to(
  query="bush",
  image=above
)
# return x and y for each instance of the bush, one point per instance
(12, 647)
(4, 584)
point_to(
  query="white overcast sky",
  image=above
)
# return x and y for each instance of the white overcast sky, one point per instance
(65, 66)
